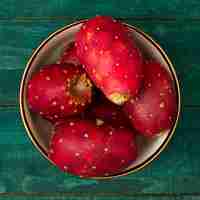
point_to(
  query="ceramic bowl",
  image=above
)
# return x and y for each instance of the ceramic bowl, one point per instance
(39, 130)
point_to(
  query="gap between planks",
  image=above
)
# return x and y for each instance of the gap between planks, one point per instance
(97, 194)
(135, 18)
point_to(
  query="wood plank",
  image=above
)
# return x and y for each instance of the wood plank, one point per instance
(23, 169)
(18, 39)
(33, 196)
(91, 197)
(190, 197)
(77, 9)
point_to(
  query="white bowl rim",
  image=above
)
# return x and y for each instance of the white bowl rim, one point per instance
(150, 158)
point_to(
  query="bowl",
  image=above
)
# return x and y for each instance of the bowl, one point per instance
(40, 130)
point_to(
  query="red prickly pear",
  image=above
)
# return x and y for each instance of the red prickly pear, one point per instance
(111, 58)
(105, 111)
(155, 108)
(58, 91)
(84, 149)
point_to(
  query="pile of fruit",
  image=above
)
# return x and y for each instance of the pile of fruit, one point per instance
(99, 95)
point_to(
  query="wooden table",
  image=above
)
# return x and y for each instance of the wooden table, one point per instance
(25, 174)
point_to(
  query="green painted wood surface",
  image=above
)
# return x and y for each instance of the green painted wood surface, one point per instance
(25, 174)
(136, 197)
(79, 8)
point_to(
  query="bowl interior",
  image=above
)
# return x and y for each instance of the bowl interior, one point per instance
(49, 52)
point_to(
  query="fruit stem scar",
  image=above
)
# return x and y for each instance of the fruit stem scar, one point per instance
(118, 98)
(80, 87)
(99, 122)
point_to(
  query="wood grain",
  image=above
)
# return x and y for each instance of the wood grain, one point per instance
(23, 169)
(62, 196)
(76, 8)
(91, 197)
(180, 40)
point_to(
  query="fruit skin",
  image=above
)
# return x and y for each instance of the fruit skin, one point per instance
(84, 149)
(58, 91)
(69, 55)
(111, 58)
(106, 111)
(155, 109)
